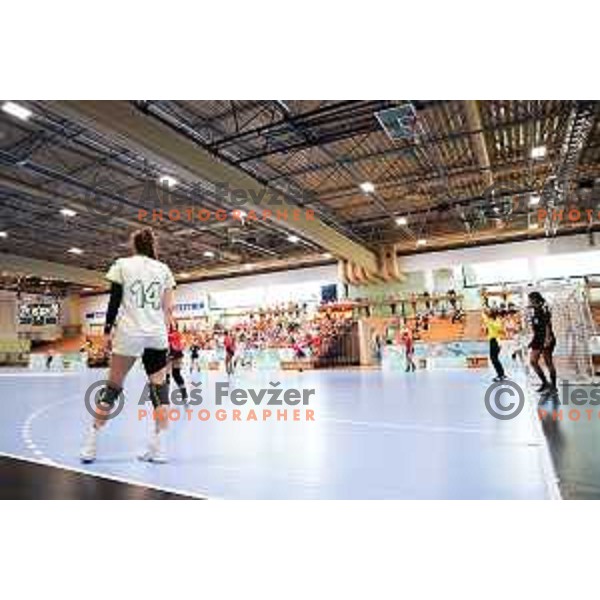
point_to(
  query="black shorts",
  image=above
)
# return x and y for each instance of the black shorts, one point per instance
(154, 360)
(175, 354)
(195, 356)
(537, 343)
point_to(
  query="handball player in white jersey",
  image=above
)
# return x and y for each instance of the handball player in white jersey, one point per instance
(137, 322)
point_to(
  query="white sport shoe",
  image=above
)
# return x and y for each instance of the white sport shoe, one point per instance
(88, 450)
(153, 457)
(154, 454)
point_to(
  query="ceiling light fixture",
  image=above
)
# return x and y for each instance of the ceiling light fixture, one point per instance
(67, 212)
(16, 110)
(421, 242)
(75, 250)
(538, 152)
(168, 181)
(209, 254)
(534, 200)
(367, 187)
(3, 234)
(294, 239)
(401, 221)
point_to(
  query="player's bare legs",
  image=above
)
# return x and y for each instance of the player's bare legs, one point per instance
(106, 398)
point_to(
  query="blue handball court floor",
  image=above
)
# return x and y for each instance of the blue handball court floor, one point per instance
(375, 435)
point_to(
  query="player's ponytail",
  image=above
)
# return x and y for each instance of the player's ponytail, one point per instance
(144, 243)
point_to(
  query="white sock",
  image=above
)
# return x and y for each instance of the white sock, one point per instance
(155, 440)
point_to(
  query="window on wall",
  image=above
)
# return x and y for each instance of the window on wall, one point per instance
(244, 298)
(496, 272)
(309, 291)
(567, 265)
(305, 292)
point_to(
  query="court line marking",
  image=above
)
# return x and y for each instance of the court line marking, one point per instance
(415, 427)
(26, 433)
(49, 463)
(400, 426)
(40, 374)
(550, 474)
(27, 427)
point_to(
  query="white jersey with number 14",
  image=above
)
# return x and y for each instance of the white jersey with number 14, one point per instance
(144, 282)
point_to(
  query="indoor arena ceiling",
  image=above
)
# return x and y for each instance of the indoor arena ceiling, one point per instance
(442, 174)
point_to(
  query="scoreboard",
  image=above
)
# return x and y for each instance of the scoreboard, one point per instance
(39, 314)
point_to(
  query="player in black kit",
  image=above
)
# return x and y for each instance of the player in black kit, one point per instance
(543, 342)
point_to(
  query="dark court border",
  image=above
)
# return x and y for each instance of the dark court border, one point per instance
(23, 479)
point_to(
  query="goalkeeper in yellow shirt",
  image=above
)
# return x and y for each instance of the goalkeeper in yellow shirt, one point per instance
(494, 330)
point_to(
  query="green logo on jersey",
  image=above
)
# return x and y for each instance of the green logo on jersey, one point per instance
(146, 295)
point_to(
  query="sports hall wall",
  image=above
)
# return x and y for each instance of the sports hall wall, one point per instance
(8, 314)
(527, 261)
(243, 291)
(434, 272)
(69, 317)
